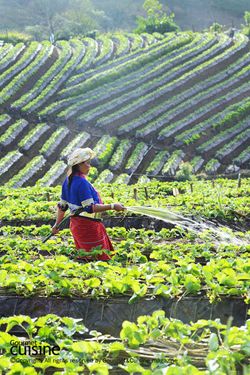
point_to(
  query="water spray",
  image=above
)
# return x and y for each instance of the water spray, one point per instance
(220, 233)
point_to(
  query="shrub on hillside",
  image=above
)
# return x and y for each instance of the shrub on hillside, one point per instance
(185, 172)
(216, 27)
(246, 27)
(157, 19)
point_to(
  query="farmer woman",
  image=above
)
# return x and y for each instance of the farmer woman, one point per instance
(77, 192)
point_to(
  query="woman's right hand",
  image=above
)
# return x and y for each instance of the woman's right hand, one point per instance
(54, 229)
(119, 207)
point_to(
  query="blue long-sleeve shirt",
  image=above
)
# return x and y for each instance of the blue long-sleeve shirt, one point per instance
(80, 194)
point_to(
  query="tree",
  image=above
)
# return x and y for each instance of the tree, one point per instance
(46, 11)
(216, 27)
(38, 15)
(153, 8)
(81, 18)
(157, 19)
(246, 27)
(47, 19)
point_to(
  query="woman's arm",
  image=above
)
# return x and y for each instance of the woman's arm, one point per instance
(106, 207)
(59, 216)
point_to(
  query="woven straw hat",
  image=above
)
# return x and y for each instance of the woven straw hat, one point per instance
(78, 156)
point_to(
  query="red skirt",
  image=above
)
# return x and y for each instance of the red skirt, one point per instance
(88, 234)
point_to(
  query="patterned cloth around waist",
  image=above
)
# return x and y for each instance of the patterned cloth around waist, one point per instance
(89, 234)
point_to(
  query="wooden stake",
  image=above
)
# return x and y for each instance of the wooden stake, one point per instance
(135, 194)
(175, 192)
(239, 180)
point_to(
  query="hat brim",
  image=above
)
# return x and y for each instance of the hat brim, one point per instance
(91, 156)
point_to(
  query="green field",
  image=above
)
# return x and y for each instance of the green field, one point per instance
(171, 301)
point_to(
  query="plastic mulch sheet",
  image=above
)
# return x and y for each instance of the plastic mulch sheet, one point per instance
(107, 315)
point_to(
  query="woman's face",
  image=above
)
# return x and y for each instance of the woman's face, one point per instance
(85, 167)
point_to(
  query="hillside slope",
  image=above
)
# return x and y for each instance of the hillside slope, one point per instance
(145, 103)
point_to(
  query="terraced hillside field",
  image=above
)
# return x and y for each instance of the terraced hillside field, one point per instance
(144, 103)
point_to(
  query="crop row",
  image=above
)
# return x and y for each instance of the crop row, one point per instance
(101, 144)
(12, 132)
(112, 64)
(173, 162)
(4, 119)
(153, 345)
(104, 177)
(224, 136)
(197, 163)
(26, 73)
(162, 86)
(243, 157)
(126, 67)
(122, 44)
(32, 137)
(136, 157)
(31, 168)
(56, 171)
(61, 276)
(219, 199)
(157, 163)
(225, 118)
(175, 246)
(61, 77)
(231, 146)
(104, 149)
(64, 52)
(91, 50)
(119, 155)
(11, 56)
(122, 178)
(29, 54)
(54, 141)
(5, 49)
(137, 42)
(212, 166)
(128, 84)
(175, 127)
(106, 50)
(9, 160)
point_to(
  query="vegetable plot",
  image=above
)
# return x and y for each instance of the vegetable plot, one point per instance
(153, 345)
